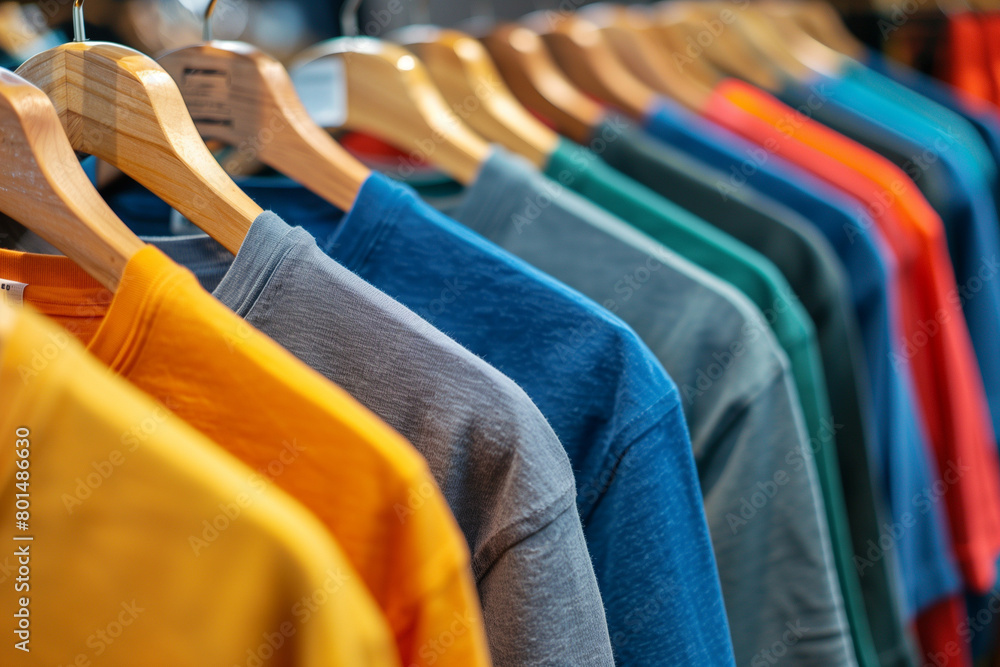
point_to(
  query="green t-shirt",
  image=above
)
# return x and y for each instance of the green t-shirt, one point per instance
(583, 171)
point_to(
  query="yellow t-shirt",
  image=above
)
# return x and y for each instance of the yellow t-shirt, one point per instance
(117, 494)
(171, 339)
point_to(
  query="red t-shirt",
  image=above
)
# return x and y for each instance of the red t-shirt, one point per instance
(964, 63)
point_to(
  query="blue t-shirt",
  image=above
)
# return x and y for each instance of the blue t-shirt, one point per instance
(616, 411)
(945, 157)
(901, 466)
(938, 92)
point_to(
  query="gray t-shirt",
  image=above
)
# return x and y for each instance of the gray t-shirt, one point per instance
(502, 469)
(762, 495)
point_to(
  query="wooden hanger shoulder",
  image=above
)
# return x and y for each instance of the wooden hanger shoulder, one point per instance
(821, 21)
(532, 75)
(241, 96)
(629, 35)
(587, 59)
(119, 105)
(47, 191)
(701, 32)
(469, 81)
(387, 93)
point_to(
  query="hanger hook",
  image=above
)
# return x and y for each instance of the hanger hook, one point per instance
(206, 28)
(349, 18)
(79, 34)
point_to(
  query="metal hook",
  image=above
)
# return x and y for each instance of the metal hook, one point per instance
(79, 34)
(206, 28)
(349, 18)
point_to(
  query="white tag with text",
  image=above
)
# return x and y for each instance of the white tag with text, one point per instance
(12, 293)
(323, 91)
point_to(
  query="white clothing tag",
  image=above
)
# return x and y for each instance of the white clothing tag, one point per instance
(11, 292)
(323, 90)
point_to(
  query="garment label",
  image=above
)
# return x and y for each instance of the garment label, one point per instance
(12, 293)
(323, 90)
(206, 93)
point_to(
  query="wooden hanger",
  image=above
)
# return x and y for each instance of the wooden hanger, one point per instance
(533, 77)
(775, 45)
(470, 83)
(699, 31)
(589, 61)
(384, 90)
(628, 35)
(243, 97)
(46, 190)
(820, 20)
(119, 105)
(812, 54)
(665, 27)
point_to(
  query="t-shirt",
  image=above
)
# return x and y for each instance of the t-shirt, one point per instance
(937, 342)
(964, 57)
(498, 463)
(167, 336)
(951, 165)
(608, 399)
(899, 453)
(976, 112)
(134, 526)
(738, 393)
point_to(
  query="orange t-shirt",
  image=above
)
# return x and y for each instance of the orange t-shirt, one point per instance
(113, 493)
(374, 492)
(936, 341)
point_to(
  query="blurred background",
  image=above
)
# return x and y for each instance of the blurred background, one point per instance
(906, 29)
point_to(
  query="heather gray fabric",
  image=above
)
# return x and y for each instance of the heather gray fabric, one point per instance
(500, 466)
(762, 496)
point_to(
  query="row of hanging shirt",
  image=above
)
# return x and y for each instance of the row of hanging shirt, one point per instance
(684, 375)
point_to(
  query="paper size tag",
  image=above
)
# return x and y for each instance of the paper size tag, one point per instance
(12, 293)
(206, 93)
(323, 90)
